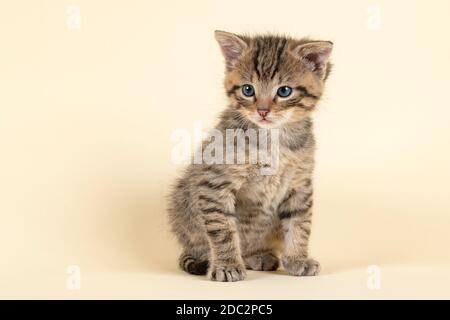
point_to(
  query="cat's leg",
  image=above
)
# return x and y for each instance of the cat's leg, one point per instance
(190, 234)
(216, 203)
(295, 213)
(226, 260)
(193, 264)
(195, 257)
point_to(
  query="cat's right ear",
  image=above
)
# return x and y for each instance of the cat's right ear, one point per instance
(232, 47)
(315, 55)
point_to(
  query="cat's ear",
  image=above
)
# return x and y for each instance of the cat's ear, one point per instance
(315, 55)
(232, 46)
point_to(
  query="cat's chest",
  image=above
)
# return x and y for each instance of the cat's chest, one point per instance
(266, 191)
(263, 191)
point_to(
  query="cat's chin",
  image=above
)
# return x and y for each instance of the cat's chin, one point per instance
(268, 124)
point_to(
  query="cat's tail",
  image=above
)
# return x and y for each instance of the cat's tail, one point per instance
(193, 265)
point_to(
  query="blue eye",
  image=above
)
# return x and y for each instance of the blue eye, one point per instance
(284, 91)
(248, 90)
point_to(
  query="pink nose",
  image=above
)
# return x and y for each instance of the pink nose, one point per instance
(263, 112)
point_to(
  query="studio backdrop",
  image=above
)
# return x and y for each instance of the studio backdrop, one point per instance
(91, 93)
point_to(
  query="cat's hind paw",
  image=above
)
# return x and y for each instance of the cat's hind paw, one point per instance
(263, 262)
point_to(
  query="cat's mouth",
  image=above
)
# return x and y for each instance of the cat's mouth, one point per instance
(269, 121)
(266, 123)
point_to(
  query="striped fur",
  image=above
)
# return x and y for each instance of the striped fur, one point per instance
(229, 218)
(192, 265)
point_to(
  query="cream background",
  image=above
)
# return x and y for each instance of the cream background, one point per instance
(86, 118)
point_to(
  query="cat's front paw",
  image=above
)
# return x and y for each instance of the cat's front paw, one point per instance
(300, 266)
(227, 273)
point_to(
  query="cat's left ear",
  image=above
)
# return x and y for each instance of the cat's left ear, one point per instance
(232, 47)
(315, 55)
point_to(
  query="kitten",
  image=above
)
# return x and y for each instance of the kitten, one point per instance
(229, 217)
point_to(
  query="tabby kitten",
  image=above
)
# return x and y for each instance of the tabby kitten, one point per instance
(229, 217)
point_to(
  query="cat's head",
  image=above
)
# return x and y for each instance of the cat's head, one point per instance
(273, 80)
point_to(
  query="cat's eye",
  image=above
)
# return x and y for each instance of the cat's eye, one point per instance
(248, 90)
(284, 91)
